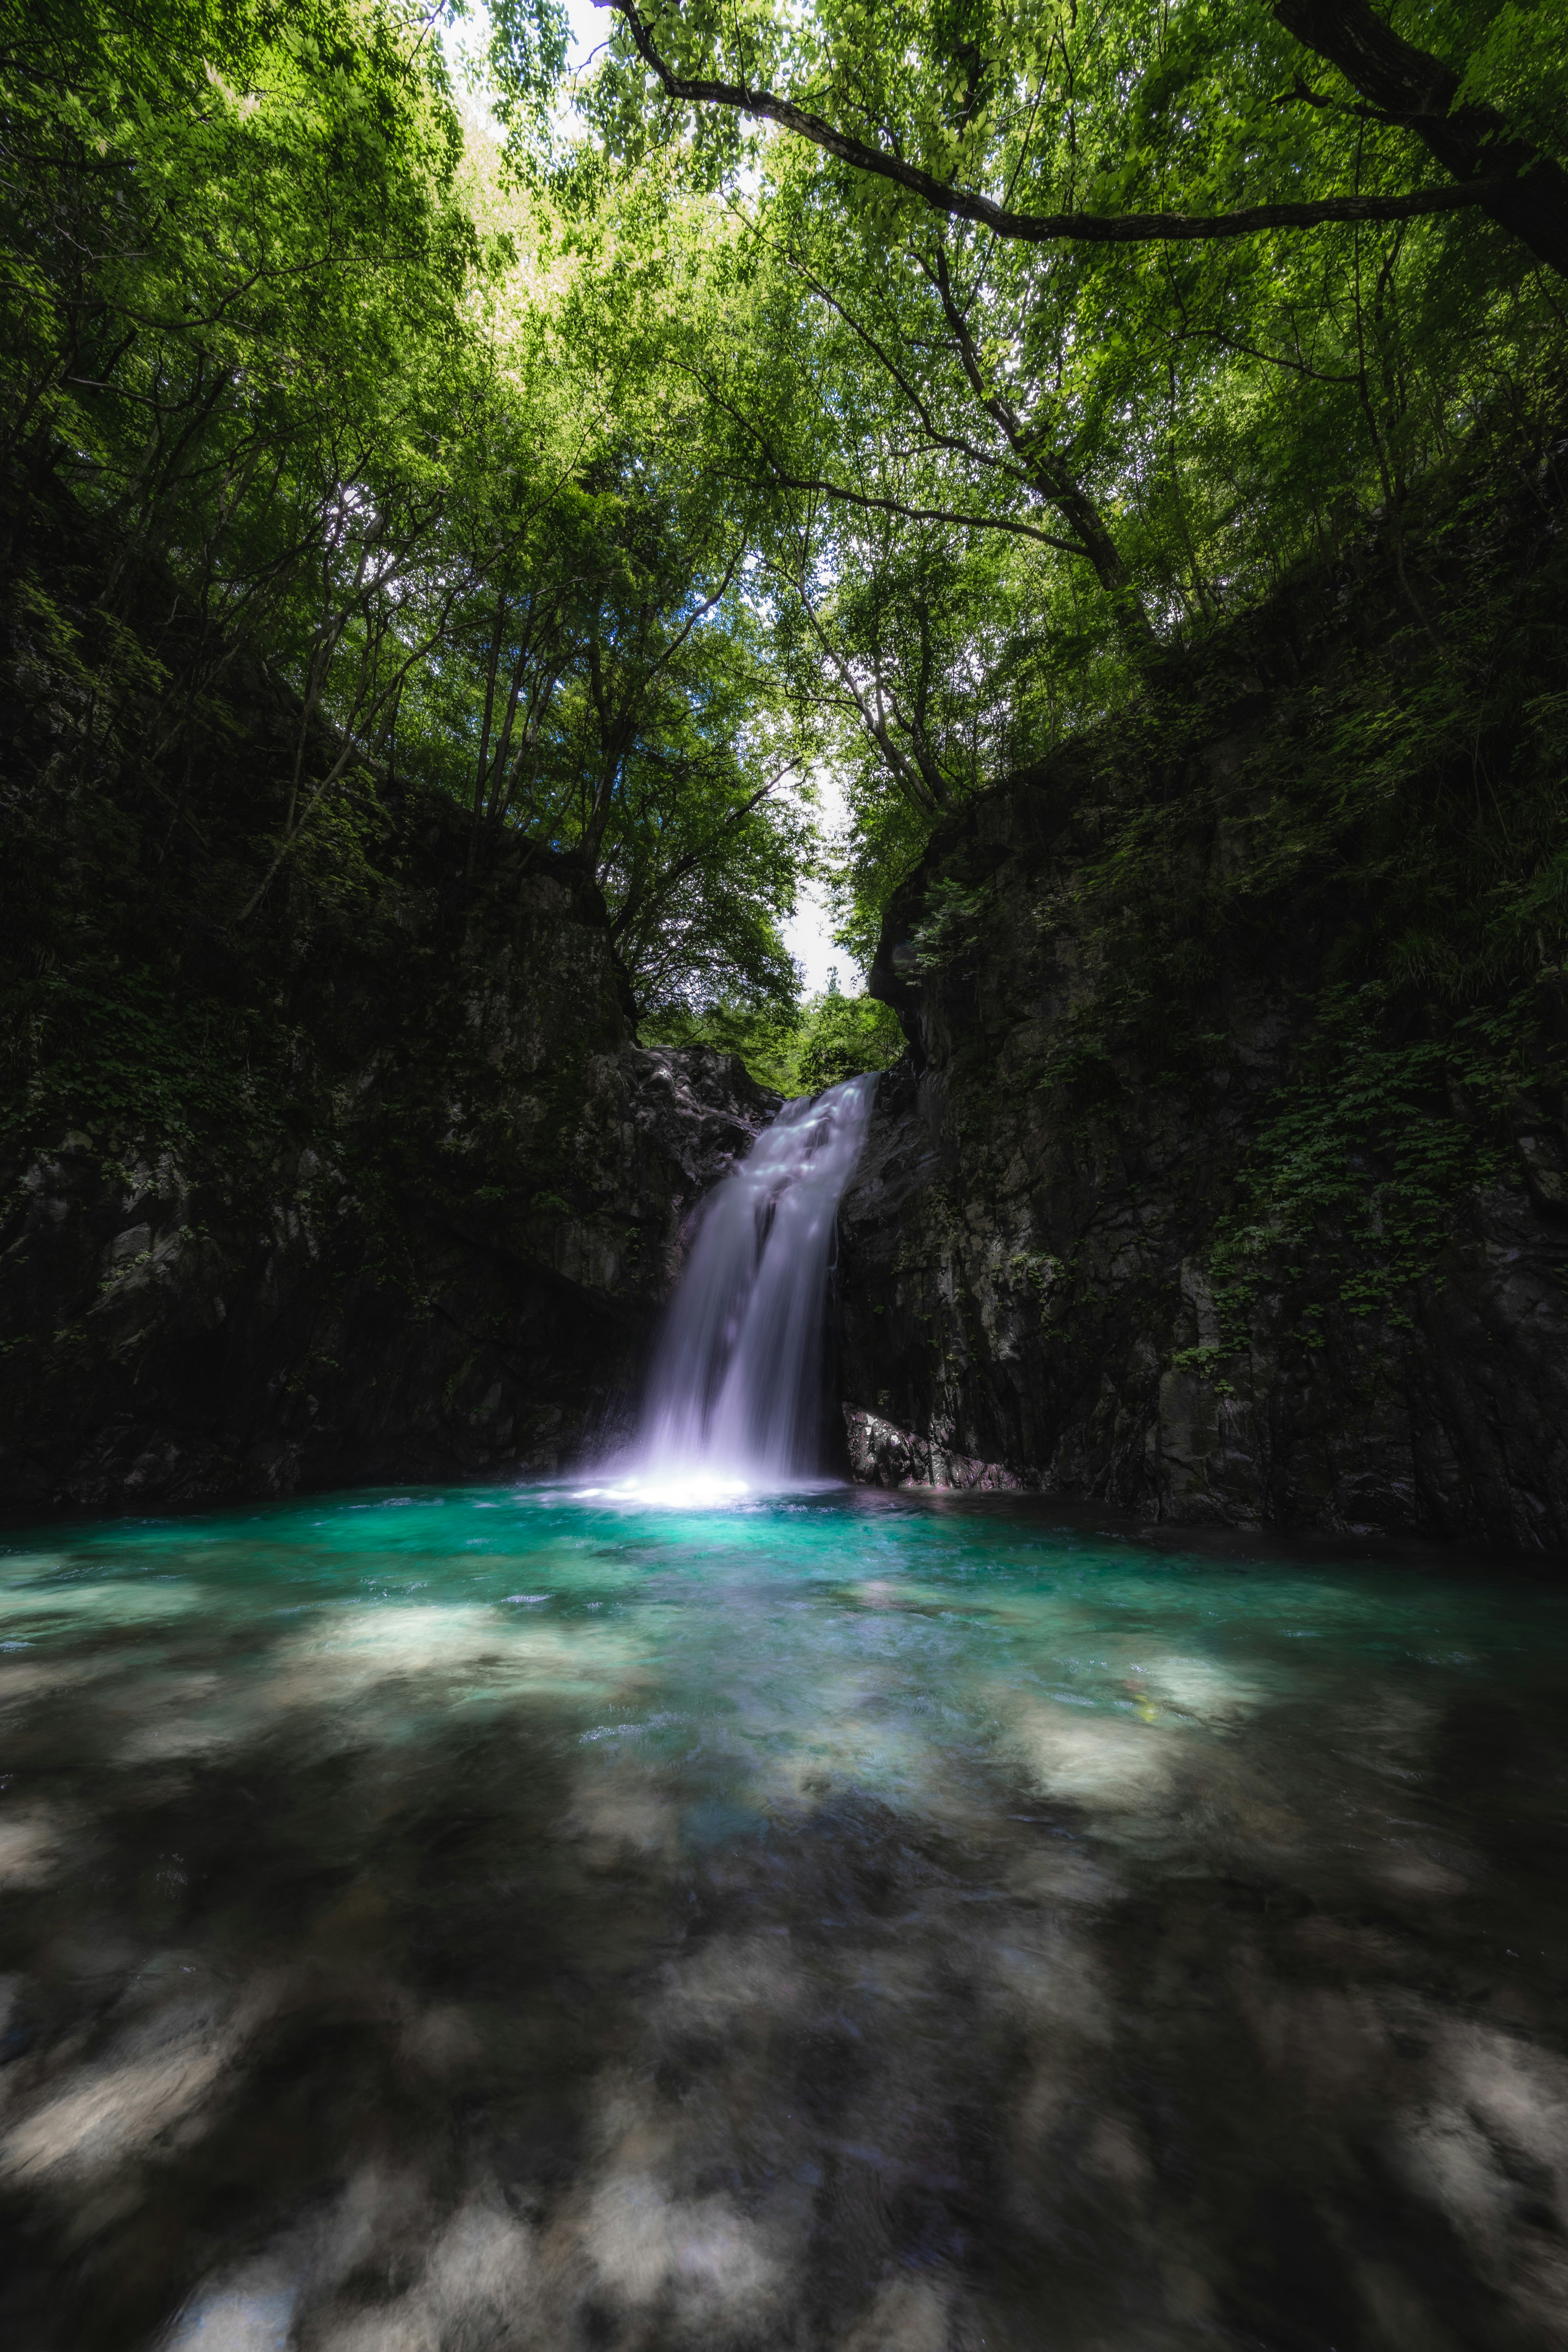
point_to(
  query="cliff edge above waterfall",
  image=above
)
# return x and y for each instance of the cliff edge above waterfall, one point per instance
(1225, 1178)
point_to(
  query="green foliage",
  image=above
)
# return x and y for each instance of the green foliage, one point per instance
(765, 1037)
(954, 918)
(797, 1051)
(1364, 1159)
(1519, 65)
(844, 1035)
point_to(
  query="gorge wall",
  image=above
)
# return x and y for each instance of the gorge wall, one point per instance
(1224, 1178)
(184, 1322)
(371, 1183)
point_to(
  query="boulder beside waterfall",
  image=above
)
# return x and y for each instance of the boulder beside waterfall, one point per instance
(883, 1456)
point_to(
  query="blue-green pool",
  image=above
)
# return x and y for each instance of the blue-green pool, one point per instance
(533, 1917)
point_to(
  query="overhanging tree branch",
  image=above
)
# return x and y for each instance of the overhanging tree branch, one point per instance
(1045, 228)
(820, 485)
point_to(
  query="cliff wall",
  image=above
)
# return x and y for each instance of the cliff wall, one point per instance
(1225, 1178)
(369, 1181)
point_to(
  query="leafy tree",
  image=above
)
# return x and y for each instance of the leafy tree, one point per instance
(1159, 303)
(843, 1035)
(796, 1051)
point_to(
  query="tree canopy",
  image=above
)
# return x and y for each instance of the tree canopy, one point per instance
(872, 386)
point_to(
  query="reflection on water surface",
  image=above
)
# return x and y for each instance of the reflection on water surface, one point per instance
(440, 1922)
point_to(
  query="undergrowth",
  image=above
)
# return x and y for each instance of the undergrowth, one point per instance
(1353, 1178)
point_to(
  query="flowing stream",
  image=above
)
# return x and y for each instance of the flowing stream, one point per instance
(735, 1395)
(836, 1922)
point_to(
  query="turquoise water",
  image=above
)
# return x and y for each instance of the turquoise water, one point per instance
(530, 1919)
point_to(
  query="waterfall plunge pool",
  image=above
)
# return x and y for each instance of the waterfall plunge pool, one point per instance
(879, 1923)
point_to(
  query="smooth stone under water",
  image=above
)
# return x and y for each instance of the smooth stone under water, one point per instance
(501, 1918)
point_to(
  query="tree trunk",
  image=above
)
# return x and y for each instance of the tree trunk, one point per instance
(1418, 90)
(1050, 477)
(1054, 481)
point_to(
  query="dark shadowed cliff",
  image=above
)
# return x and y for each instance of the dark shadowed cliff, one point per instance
(1225, 1178)
(368, 1180)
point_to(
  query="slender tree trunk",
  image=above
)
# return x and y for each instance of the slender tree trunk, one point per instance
(483, 764)
(1050, 477)
(1054, 482)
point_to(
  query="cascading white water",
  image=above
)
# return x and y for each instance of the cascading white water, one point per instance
(734, 1393)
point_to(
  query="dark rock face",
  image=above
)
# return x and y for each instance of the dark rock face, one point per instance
(334, 1165)
(389, 1305)
(1011, 1300)
(1027, 1272)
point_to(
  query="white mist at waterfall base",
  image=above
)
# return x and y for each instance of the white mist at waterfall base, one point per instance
(735, 1394)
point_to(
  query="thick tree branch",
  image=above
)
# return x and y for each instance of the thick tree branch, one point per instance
(819, 486)
(1040, 228)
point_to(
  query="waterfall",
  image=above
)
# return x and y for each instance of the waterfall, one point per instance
(734, 1393)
